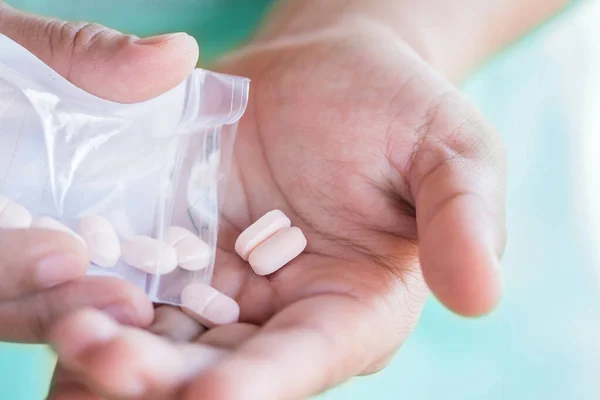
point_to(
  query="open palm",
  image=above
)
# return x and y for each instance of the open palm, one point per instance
(396, 181)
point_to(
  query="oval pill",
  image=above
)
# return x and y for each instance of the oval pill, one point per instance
(265, 227)
(13, 215)
(208, 305)
(277, 251)
(54, 225)
(101, 239)
(149, 255)
(176, 234)
(193, 253)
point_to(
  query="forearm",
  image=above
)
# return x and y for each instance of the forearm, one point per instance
(453, 35)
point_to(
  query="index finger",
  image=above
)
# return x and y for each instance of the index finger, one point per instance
(36, 259)
(307, 348)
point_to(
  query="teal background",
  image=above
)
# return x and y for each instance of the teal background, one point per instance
(541, 343)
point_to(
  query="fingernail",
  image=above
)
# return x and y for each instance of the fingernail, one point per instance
(159, 39)
(58, 269)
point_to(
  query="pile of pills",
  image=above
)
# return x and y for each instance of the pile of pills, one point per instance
(267, 245)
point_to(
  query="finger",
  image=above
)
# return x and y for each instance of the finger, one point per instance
(44, 259)
(102, 61)
(28, 319)
(307, 348)
(68, 388)
(457, 179)
(126, 363)
(228, 337)
(67, 385)
(171, 323)
(72, 392)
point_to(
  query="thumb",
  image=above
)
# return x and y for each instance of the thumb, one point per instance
(101, 61)
(458, 182)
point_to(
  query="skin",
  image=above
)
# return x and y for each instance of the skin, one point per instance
(396, 180)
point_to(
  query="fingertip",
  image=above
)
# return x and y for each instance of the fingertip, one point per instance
(41, 242)
(131, 305)
(134, 364)
(109, 358)
(139, 72)
(217, 383)
(459, 260)
(44, 259)
(171, 323)
(469, 284)
(180, 42)
(170, 61)
(478, 297)
(79, 332)
(49, 243)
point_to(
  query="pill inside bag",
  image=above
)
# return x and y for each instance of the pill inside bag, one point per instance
(68, 155)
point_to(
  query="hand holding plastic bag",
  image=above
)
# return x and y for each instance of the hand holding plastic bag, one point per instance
(67, 154)
(132, 180)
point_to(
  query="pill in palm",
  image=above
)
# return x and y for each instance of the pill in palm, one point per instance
(53, 225)
(265, 227)
(193, 253)
(101, 239)
(149, 255)
(277, 251)
(13, 215)
(209, 306)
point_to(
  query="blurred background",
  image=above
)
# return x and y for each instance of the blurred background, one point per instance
(543, 95)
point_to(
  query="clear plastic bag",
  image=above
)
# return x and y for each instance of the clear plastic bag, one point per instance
(144, 167)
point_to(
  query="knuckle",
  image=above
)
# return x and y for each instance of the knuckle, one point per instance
(78, 36)
(70, 37)
(453, 122)
(40, 319)
(453, 134)
(69, 41)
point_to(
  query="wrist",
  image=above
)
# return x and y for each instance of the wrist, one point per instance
(294, 20)
(452, 36)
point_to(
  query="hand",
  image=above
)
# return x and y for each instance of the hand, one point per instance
(395, 179)
(42, 271)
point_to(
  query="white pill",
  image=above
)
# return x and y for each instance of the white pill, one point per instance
(193, 253)
(101, 239)
(54, 225)
(265, 227)
(149, 255)
(277, 251)
(209, 306)
(206, 174)
(13, 215)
